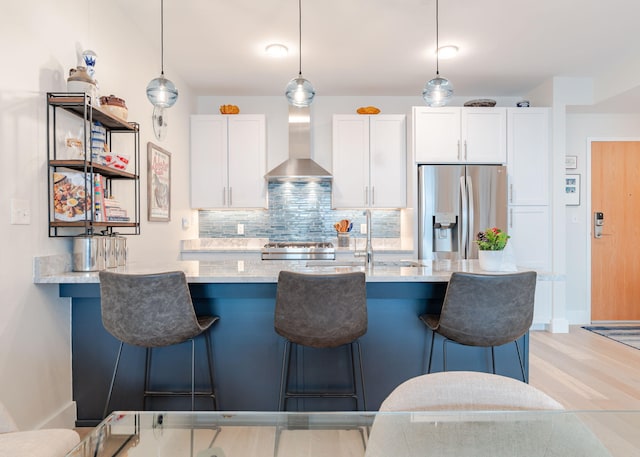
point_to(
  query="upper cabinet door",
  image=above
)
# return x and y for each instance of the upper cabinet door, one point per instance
(228, 161)
(209, 180)
(484, 135)
(459, 135)
(528, 150)
(436, 135)
(350, 186)
(388, 161)
(369, 161)
(247, 161)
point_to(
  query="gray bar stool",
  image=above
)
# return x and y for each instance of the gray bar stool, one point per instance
(485, 310)
(321, 311)
(152, 311)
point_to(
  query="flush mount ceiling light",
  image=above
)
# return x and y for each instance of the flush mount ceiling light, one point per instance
(161, 92)
(299, 91)
(277, 50)
(447, 52)
(437, 91)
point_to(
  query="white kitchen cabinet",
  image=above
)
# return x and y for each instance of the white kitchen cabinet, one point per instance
(228, 161)
(530, 232)
(528, 146)
(369, 161)
(529, 154)
(459, 135)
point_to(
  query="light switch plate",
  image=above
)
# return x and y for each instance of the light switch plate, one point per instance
(240, 229)
(20, 212)
(363, 229)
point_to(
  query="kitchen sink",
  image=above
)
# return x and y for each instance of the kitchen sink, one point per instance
(360, 263)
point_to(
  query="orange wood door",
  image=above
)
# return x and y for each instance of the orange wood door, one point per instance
(615, 257)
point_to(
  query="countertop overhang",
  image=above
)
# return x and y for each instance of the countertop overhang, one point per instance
(266, 271)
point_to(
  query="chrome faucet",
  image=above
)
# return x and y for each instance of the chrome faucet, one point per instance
(368, 250)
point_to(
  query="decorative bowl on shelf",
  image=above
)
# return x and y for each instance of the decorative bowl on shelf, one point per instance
(482, 102)
(229, 109)
(114, 106)
(368, 110)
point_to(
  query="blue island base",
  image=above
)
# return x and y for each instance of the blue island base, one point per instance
(248, 353)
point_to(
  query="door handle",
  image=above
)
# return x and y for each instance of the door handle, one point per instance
(598, 223)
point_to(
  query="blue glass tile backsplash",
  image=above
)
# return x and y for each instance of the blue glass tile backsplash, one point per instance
(298, 211)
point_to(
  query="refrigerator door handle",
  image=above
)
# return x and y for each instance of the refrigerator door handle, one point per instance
(463, 216)
(471, 214)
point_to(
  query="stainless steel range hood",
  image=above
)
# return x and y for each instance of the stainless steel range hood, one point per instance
(299, 166)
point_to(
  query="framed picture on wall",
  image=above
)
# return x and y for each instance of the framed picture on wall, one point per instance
(158, 183)
(572, 189)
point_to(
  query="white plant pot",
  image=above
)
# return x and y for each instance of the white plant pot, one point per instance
(490, 260)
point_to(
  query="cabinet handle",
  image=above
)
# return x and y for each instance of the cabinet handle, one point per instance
(459, 151)
(366, 195)
(510, 217)
(230, 196)
(510, 193)
(224, 195)
(373, 195)
(465, 149)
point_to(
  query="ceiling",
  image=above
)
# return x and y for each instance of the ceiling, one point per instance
(385, 47)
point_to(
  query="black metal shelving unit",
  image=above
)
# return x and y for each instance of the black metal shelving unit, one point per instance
(81, 106)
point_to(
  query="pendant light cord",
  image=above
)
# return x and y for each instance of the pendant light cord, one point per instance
(437, 43)
(162, 37)
(300, 38)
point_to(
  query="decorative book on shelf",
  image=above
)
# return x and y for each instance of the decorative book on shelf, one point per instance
(71, 196)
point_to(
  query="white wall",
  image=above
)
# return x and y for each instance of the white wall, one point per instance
(580, 128)
(38, 42)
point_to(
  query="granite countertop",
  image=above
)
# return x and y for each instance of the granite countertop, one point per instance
(255, 245)
(55, 270)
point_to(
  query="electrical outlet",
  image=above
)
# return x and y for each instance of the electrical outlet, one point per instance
(240, 229)
(363, 229)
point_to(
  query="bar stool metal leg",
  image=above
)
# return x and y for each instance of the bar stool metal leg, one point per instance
(113, 380)
(214, 393)
(284, 375)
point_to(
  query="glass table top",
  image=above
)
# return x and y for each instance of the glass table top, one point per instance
(367, 434)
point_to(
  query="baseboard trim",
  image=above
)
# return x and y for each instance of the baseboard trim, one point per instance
(64, 418)
(558, 326)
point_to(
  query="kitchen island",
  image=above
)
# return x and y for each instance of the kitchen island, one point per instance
(248, 352)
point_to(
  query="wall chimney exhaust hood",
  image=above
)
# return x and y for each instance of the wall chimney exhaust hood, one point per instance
(299, 166)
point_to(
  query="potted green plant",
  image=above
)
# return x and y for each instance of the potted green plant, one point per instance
(491, 244)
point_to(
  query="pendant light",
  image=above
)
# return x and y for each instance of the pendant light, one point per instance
(161, 92)
(299, 91)
(439, 90)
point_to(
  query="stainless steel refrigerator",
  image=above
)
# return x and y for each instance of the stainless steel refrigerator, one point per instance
(456, 202)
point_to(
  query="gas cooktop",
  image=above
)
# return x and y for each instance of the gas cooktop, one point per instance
(298, 250)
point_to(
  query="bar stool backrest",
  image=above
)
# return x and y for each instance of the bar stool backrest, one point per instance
(487, 310)
(321, 310)
(151, 310)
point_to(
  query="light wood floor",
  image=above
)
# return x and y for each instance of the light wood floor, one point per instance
(584, 371)
(580, 369)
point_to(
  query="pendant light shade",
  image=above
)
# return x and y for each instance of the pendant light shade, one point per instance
(439, 90)
(299, 91)
(161, 92)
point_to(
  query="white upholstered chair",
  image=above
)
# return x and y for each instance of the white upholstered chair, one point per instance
(456, 420)
(34, 443)
(466, 391)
